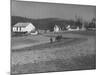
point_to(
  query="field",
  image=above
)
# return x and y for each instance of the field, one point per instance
(35, 54)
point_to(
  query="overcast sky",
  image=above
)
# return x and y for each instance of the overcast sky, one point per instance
(49, 10)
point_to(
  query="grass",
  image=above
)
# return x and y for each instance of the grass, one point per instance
(76, 63)
(85, 33)
(85, 61)
(79, 56)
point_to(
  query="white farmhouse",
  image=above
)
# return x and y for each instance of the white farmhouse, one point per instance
(24, 27)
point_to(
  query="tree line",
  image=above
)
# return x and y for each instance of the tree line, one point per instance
(49, 23)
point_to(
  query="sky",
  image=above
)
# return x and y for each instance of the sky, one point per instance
(38, 10)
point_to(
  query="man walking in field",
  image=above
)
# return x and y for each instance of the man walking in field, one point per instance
(51, 40)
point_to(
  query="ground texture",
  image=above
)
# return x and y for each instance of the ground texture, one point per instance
(75, 52)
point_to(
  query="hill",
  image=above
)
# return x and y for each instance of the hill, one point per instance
(43, 24)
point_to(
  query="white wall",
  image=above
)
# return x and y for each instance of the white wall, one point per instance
(28, 28)
(14, 29)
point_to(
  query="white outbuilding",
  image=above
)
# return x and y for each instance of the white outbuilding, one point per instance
(24, 27)
(57, 28)
(72, 28)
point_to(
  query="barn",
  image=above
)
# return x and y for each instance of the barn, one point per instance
(24, 28)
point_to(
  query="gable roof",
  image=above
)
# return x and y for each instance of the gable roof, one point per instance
(21, 24)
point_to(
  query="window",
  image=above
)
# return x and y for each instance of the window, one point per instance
(14, 28)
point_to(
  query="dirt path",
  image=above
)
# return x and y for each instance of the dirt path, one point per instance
(35, 42)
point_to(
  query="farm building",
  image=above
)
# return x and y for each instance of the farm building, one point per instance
(57, 28)
(24, 27)
(72, 28)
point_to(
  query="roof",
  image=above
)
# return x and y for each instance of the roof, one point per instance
(21, 24)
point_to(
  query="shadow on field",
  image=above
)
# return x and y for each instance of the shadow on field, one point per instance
(85, 62)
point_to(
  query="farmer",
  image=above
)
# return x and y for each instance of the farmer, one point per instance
(58, 38)
(51, 40)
